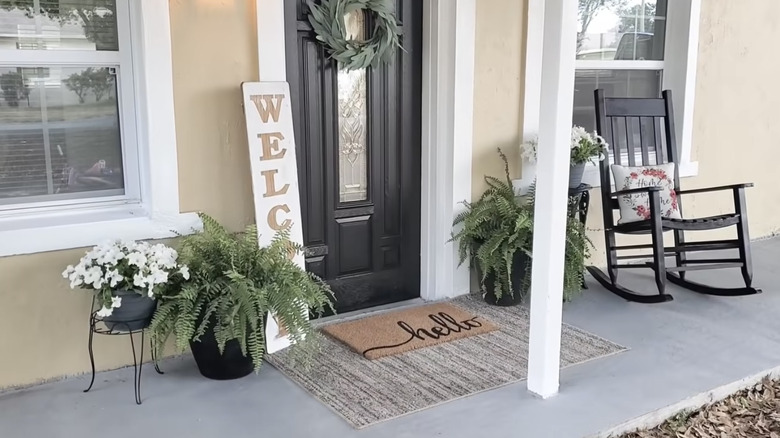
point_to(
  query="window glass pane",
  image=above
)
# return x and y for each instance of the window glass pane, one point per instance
(615, 83)
(58, 25)
(59, 134)
(621, 29)
(353, 163)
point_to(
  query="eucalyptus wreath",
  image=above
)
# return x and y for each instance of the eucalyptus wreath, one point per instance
(327, 19)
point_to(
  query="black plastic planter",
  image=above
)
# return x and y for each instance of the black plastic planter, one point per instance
(519, 264)
(134, 314)
(231, 364)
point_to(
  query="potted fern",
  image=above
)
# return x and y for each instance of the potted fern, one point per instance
(496, 232)
(220, 312)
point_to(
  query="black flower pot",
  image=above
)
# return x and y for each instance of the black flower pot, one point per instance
(230, 364)
(520, 262)
(134, 314)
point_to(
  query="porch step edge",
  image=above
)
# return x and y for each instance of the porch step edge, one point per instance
(657, 417)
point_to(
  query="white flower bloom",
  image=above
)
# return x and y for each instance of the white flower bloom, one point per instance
(76, 282)
(113, 278)
(110, 257)
(139, 280)
(185, 272)
(116, 302)
(68, 271)
(137, 259)
(105, 311)
(93, 275)
(157, 276)
(80, 269)
(93, 254)
(150, 293)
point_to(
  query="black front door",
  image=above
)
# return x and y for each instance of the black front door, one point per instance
(358, 147)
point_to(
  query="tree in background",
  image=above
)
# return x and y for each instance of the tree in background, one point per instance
(14, 88)
(100, 81)
(585, 12)
(80, 83)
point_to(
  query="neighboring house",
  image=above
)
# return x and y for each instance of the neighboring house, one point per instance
(154, 132)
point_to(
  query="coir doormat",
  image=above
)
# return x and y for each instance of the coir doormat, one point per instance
(409, 329)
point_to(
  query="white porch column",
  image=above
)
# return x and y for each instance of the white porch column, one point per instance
(271, 48)
(447, 131)
(552, 170)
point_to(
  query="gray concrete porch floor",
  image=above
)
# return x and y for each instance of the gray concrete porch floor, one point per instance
(678, 349)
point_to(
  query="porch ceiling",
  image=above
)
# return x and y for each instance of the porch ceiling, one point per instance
(678, 349)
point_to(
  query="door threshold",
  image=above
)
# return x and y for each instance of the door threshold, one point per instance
(357, 314)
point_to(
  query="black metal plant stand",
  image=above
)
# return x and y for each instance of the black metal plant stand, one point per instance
(579, 202)
(98, 326)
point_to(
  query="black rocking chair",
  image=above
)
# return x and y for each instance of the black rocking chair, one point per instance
(641, 131)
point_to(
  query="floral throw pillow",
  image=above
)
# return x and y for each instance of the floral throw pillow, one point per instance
(636, 207)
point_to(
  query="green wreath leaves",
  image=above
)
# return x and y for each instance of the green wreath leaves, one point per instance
(327, 19)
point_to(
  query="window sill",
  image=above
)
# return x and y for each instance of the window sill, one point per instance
(687, 170)
(89, 227)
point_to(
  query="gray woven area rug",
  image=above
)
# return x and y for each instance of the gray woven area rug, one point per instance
(365, 391)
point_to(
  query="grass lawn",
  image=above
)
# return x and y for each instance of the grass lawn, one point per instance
(751, 413)
(25, 114)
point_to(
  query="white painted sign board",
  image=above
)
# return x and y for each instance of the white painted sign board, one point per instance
(269, 126)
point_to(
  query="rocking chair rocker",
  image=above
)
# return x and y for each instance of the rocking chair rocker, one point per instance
(634, 127)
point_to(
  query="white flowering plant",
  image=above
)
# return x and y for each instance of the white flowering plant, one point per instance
(130, 266)
(585, 147)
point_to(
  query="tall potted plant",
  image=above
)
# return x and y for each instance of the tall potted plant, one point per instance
(126, 278)
(495, 231)
(586, 147)
(220, 312)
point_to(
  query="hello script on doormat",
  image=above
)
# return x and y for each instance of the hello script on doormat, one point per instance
(405, 330)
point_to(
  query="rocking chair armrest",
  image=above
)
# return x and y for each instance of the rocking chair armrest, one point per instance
(715, 189)
(637, 190)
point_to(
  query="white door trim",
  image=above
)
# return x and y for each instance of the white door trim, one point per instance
(447, 127)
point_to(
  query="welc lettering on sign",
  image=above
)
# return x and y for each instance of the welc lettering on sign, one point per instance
(271, 138)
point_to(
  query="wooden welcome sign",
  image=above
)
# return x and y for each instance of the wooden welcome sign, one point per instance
(269, 126)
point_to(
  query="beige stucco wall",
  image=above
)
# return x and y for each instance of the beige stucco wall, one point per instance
(43, 324)
(735, 132)
(214, 50)
(498, 89)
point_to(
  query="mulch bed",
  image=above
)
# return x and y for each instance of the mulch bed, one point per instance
(751, 413)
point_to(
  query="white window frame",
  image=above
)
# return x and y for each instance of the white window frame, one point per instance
(150, 207)
(679, 74)
(122, 61)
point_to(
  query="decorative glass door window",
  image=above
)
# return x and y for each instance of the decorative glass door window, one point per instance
(353, 138)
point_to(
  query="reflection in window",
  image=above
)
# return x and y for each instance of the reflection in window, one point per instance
(58, 25)
(621, 29)
(352, 102)
(59, 134)
(615, 83)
